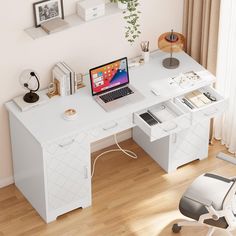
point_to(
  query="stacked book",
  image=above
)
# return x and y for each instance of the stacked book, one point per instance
(24, 106)
(64, 79)
(54, 25)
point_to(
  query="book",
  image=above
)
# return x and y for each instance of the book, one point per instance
(66, 79)
(59, 78)
(25, 106)
(67, 76)
(72, 79)
(54, 25)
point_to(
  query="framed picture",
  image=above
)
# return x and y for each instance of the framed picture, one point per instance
(47, 10)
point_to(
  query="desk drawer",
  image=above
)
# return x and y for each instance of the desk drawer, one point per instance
(170, 123)
(207, 111)
(111, 127)
(70, 142)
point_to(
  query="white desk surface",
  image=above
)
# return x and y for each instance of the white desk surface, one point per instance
(46, 123)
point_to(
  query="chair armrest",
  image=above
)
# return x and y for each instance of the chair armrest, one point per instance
(212, 213)
(198, 199)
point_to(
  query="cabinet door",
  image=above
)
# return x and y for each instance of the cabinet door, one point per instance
(189, 145)
(68, 171)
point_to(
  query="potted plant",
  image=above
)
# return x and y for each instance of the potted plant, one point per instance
(131, 15)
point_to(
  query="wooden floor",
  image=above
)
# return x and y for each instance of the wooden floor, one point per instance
(130, 197)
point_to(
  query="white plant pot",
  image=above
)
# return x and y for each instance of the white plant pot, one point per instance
(122, 6)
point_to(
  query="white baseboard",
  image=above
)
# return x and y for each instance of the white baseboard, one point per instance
(94, 147)
(110, 141)
(6, 181)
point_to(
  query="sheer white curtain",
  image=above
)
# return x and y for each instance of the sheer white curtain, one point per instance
(225, 126)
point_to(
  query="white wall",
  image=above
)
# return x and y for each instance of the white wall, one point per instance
(81, 47)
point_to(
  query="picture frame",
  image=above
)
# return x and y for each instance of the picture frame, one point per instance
(46, 10)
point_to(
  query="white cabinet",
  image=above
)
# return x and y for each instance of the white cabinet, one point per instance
(177, 149)
(55, 177)
(51, 156)
(54, 174)
(183, 137)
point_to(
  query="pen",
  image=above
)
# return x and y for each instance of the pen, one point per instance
(145, 46)
(186, 102)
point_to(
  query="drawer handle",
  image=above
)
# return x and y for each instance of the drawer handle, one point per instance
(67, 144)
(171, 128)
(85, 172)
(211, 113)
(95, 8)
(95, 14)
(110, 127)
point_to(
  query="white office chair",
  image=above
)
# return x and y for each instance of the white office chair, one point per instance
(210, 200)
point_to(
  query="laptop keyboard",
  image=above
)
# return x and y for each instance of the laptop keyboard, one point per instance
(108, 97)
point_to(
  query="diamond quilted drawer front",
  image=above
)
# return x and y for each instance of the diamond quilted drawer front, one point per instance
(170, 119)
(61, 145)
(209, 105)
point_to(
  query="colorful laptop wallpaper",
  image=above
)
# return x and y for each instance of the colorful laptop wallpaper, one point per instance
(109, 76)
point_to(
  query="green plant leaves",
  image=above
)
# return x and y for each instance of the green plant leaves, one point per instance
(131, 16)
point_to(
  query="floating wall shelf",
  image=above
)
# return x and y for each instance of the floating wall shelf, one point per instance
(73, 20)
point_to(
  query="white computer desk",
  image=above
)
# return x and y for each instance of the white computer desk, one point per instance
(51, 156)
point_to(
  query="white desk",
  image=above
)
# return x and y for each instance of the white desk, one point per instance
(51, 156)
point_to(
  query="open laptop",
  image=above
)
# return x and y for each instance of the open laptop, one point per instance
(110, 85)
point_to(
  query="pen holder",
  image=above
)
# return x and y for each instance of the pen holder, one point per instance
(145, 56)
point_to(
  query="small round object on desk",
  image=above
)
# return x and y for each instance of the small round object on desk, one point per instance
(70, 114)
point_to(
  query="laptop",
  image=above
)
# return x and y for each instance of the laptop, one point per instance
(110, 85)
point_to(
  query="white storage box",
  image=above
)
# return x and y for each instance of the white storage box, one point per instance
(90, 9)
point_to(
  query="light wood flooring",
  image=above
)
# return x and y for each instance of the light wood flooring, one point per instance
(130, 197)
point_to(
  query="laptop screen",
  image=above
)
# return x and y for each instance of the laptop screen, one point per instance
(109, 76)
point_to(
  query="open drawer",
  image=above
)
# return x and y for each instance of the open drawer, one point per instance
(170, 118)
(206, 111)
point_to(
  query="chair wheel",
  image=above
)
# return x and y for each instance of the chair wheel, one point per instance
(176, 229)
